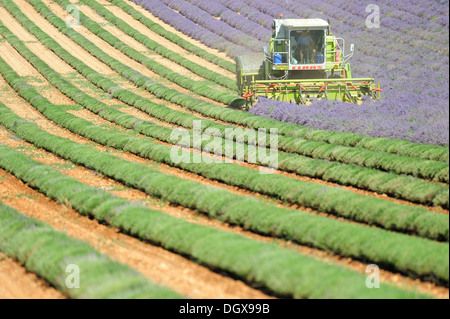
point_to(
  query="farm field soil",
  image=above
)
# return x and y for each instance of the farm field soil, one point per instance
(17, 283)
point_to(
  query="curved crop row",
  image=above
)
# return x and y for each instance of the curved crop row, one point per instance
(191, 29)
(233, 19)
(254, 261)
(48, 253)
(219, 27)
(366, 243)
(238, 117)
(226, 97)
(156, 47)
(158, 29)
(399, 186)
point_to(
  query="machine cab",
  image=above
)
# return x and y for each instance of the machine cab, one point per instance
(304, 44)
(299, 44)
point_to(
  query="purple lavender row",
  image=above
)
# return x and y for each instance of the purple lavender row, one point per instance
(399, 11)
(423, 92)
(372, 46)
(233, 19)
(191, 29)
(204, 19)
(399, 118)
(396, 74)
(423, 71)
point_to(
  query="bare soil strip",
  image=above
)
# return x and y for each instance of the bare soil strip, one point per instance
(92, 62)
(17, 283)
(24, 110)
(106, 245)
(138, 46)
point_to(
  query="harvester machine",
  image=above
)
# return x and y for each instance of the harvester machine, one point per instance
(304, 61)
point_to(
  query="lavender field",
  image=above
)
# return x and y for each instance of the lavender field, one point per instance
(131, 166)
(408, 54)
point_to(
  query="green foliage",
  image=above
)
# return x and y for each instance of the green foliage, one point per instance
(155, 27)
(281, 270)
(335, 201)
(48, 253)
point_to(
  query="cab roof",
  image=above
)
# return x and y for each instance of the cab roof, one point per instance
(303, 23)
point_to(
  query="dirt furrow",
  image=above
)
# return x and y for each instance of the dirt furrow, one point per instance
(138, 46)
(92, 62)
(59, 98)
(17, 283)
(96, 180)
(171, 29)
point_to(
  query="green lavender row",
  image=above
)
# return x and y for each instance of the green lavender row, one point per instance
(416, 167)
(158, 48)
(226, 97)
(324, 198)
(395, 185)
(230, 115)
(281, 270)
(411, 255)
(48, 253)
(423, 151)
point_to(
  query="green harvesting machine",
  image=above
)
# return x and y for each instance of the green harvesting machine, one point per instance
(304, 61)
